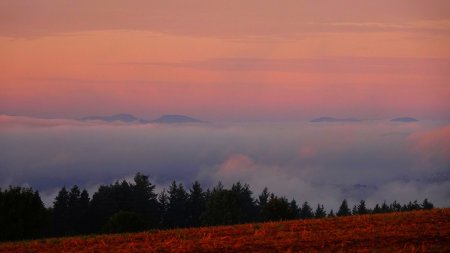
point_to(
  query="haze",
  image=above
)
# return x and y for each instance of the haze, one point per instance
(257, 71)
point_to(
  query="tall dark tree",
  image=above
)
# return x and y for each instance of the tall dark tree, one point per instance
(395, 207)
(385, 208)
(22, 214)
(222, 208)
(331, 214)
(83, 207)
(137, 197)
(320, 212)
(60, 213)
(247, 205)
(176, 215)
(163, 204)
(306, 211)
(377, 209)
(427, 205)
(362, 207)
(196, 205)
(277, 208)
(232, 206)
(294, 209)
(261, 202)
(343, 209)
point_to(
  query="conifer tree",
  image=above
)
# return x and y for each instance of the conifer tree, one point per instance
(343, 209)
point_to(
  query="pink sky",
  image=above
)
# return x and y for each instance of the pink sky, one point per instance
(226, 60)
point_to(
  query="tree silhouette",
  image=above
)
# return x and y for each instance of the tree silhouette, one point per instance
(426, 205)
(343, 209)
(362, 207)
(320, 212)
(176, 215)
(22, 214)
(196, 205)
(60, 213)
(306, 211)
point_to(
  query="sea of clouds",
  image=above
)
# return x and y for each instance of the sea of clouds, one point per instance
(316, 162)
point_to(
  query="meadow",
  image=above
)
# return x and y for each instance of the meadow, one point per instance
(417, 231)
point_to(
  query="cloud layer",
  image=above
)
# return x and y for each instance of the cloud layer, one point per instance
(374, 160)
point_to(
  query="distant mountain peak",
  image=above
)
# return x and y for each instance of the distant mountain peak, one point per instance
(174, 118)
(332, 119)
(120, 117)
(404, 119)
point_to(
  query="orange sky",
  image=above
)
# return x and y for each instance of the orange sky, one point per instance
(226, 60)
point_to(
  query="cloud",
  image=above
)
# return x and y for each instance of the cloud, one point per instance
(221, 18)
(374, 160)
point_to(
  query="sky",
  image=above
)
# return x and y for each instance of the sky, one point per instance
(257, 71)
(225, 60)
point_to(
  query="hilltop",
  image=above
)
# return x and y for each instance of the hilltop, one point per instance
(418, 231)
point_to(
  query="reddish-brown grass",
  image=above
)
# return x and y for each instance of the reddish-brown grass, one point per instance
(419, 231)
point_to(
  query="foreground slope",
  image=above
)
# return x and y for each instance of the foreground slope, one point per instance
(419, 231)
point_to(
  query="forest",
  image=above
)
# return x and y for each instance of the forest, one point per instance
(131, 207)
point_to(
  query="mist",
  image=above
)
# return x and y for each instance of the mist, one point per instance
(316, 162)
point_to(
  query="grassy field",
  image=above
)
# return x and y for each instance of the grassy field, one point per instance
(419, 231)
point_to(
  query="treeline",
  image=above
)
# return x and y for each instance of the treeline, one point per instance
(126, 207)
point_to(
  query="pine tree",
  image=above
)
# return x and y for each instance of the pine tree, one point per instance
(331, 214)
(377, 209)
(426, 205)
(60, 213)
(306, 211)
(343, 209)
(295, 210)
(385, 208)
(320, 212)
(362, 207)
(163, 203)
(196, 204)
(176, 215)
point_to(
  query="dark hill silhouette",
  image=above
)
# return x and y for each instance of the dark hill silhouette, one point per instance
(122, 117)
(404, 119)
(170, 119)
(129, 118)
(331, 119)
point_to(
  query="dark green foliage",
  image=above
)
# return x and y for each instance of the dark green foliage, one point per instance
(261, 202)
(362, 207)
(127, 207)
(22, 214)
(294, 209)
(196, 205)
(278, 208)
(163, 203)
(385, 208)
(306, 211)
(222, 208)
(138, 197)
(232, 206)
(70, 212)
(377, 209)
(320, 212)
(395, 207)
(331, 214)
(176, 215)
(60, 213)
(125, 221)
(343, 209)
(426, 205)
